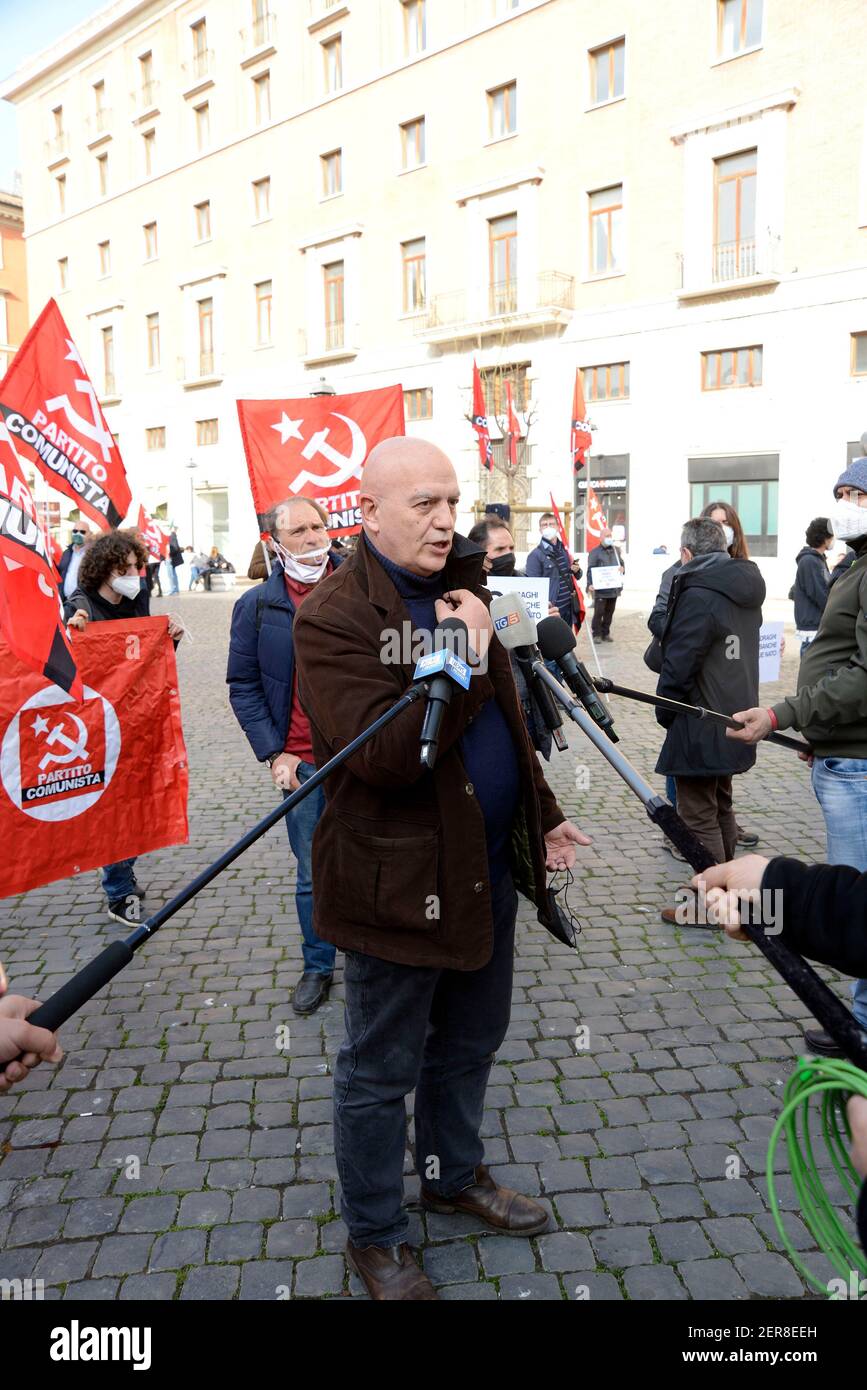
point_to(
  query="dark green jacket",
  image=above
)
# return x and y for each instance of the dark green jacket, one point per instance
(830, 707)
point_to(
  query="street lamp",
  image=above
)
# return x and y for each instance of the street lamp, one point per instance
(191, 468)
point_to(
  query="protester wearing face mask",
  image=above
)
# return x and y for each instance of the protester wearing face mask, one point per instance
(550, 560)
(70, 560)
(110, 590)
(604, 556)
(830, 707)
(812, 580)
(263, 691)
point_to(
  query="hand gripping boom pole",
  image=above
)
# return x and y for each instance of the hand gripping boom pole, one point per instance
(798, 974)
(83, 986)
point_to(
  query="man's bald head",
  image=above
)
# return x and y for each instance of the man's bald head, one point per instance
(409, 495)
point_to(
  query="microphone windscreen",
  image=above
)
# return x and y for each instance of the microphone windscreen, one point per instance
(451, 635)
(512, 623)
(555, 638)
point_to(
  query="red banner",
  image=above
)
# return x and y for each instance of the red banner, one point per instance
(565, 539)
(87, 782)
(316, 447)
(156, 541)
(513, 429)
(31, 611)
(594, 520)
(480, 422)
(51, 409)
(581, 438)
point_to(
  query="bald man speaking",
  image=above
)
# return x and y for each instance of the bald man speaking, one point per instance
(415, 871)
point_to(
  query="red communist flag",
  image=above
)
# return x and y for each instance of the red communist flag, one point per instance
(51, 409)
(565, 539)
(156, 541)
(316, 447)
(89, 780)
(594, 520)
(480, 422)
(581, 436)
(31, 613)
(513, 429)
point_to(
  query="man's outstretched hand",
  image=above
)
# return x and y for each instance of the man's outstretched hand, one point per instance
(560, 845)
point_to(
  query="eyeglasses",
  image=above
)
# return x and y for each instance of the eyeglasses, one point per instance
(78, 533)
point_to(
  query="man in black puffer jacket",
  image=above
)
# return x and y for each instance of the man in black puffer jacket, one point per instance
(812, 580)
(710, 657)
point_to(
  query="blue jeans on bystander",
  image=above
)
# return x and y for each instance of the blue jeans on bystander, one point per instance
(300, 825)
(840, 785)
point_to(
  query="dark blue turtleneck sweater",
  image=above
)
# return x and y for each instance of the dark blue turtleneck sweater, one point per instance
(486, 748)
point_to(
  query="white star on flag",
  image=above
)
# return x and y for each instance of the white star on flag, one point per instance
(40, 725)
(73, 355)
(288, 429)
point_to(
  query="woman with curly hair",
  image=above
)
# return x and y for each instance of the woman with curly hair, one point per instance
(110, 587)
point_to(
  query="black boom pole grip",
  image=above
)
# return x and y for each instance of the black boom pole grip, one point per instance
(80, 988)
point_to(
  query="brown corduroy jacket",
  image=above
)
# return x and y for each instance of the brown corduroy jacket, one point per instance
(400, 865)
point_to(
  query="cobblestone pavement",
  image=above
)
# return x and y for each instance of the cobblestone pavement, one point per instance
(175, 1066)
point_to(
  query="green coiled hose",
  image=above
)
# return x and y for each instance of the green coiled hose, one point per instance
(829, 1083)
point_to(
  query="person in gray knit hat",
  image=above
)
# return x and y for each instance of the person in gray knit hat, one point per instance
(830, 707)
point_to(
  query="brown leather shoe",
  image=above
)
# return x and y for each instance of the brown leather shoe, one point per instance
(499, 1207)
(390, 1273)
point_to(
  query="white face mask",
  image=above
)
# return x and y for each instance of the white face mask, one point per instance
(551, 534)
(307, 568)
(127, 585)
(848, 520)
(607, 540)
(728, 533)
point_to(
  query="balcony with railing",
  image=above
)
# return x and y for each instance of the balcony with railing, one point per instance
(545, 301)
(734, 266)
(57, 147)
(99, 126)
(333, 342)
(323, 11)
(198, 71)
(203, 368)
(145, 99)
(260, 39)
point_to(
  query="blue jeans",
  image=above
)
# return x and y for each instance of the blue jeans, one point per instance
(416, 1026)
(840, 785)
(118, 880)
(194, 574)
(671, 789)
(172, 576)
(300, 825)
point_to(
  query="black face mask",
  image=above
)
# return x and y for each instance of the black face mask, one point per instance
(503, 564)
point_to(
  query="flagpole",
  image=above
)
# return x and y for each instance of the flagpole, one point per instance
(588, 625)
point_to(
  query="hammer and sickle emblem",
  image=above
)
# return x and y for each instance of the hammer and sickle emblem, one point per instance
(347, 467)
(77, 748)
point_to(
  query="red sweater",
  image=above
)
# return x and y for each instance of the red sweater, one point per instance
(298, 740)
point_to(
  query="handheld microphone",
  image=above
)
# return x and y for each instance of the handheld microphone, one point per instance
(443, 669)
(517, 633)
(557, 643)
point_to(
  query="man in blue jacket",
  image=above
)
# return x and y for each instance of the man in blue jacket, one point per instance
(263, 691)
(550, 561)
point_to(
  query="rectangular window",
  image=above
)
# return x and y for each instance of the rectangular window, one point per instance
(413, 258)
(412, 143)
(739, 26)
(207, 431)
(418, 404)
(57, 120)
(153, 335)
(150, 240)
(263, 313)
(731, 368)
(607, 70)
(503, 110)
(63, 272)
(734, 252)
(606, 230)
(203, 221)
(494, 384)
(262, 199)
(104, 248)
(746, 485)
(332, 173)
(109, 383)
(206, 337)
(332, 276)
(332, 55)
(203, 125)
(102, 173)
(155, 438)
(149, 149)
(146, 77)
(859, 354)
(414, 27)
(503, 264)
(262, 94)
(200, 48)
(60, 186)
(101, 114)
(261, 22)
(607, 383)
